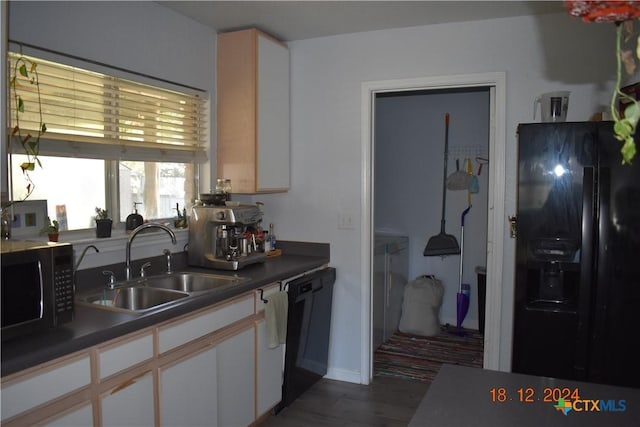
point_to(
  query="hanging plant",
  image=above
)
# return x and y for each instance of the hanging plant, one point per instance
(24, 80)
(623, 14)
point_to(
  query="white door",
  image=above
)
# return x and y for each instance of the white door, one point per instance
(129, 404)
(270, 371)
(236, 379)
(189, 391)
(82, 416)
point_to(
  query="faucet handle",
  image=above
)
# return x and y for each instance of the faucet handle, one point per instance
(112, 278)
(167, 254)
(142, 272)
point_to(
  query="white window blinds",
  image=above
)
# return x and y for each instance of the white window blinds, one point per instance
(94, 115)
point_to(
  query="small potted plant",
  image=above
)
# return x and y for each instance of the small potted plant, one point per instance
(103, 223)
(52, 229)
(181, 221)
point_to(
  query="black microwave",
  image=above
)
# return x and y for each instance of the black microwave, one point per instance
(36, 286)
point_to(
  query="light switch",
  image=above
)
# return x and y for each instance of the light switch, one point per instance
(346, 221)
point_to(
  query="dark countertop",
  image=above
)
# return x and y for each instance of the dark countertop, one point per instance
(93, 326)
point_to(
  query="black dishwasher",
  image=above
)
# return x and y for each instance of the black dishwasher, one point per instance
(308, 326)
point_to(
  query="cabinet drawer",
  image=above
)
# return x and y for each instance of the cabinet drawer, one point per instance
(54, 381)
(123, 355)
(192, 328)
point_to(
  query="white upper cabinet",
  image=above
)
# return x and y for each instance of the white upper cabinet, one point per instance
(253, 112)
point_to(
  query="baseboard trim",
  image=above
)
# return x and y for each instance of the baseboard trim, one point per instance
(344, 375)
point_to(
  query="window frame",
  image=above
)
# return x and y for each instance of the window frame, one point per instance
(111, 172)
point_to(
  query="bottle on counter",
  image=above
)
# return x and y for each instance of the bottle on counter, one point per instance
(271, 241)
(134, 220)
(266, 242)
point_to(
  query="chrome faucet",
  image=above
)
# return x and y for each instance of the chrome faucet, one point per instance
(134, 233)
(167, 255)
(84, 252)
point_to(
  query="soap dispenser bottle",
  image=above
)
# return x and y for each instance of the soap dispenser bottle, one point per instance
(134, 220)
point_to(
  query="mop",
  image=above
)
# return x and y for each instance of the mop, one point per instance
(462, 297)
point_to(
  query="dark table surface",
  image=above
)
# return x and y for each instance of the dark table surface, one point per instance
(463, 396)
(93, 326)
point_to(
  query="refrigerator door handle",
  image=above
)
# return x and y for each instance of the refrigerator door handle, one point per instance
(586, 271)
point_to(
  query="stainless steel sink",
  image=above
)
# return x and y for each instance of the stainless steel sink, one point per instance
(192, 282)
(145, 294)
(133, 299)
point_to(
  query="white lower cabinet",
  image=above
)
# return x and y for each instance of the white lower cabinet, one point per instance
(82, 416)
(213, 368)
(236, 380)
(130, 403)
(188, 391)
(46, 384)
(270, 371)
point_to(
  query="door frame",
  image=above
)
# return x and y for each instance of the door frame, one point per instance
(496, 214)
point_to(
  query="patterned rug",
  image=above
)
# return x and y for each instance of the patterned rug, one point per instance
(420, 357)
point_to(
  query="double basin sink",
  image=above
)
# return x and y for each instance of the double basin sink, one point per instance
(150, 293)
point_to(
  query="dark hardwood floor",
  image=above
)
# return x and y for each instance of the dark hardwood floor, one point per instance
(387, 401)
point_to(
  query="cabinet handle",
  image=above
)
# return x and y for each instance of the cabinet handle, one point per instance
(127, 383)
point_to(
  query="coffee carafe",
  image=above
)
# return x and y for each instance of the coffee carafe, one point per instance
(228, 242)
(553, 106)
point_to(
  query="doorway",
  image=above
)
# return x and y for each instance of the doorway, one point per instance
(409, 133)
(495, 84)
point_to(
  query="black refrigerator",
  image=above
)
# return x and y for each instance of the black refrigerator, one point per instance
(577, 284)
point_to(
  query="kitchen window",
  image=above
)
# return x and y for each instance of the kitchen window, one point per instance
(110, 142)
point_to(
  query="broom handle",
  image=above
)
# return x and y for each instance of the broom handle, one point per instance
(444, 173)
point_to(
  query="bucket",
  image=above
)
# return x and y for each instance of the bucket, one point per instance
(553, 106)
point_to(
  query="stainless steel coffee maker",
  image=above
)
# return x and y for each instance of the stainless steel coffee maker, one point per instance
(221, 236)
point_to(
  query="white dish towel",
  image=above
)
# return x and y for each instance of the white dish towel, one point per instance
(275, 313)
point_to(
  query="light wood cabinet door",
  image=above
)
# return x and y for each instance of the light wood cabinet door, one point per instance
(189, 391)
(253, 143)
(236, 379)
(130, 403)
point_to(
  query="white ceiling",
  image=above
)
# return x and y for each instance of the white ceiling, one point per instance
(297, 20)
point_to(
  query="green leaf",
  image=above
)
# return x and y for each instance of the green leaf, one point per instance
(20, 104)
(23, 70)
(628, 150)
(43, 129)
(27, 166)
(632, 114)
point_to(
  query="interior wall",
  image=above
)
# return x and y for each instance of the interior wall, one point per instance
(327, 172)
(408, 167)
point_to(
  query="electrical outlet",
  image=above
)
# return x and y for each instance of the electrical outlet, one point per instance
(346, 221)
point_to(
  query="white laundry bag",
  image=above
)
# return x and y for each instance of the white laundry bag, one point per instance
(421, 306)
